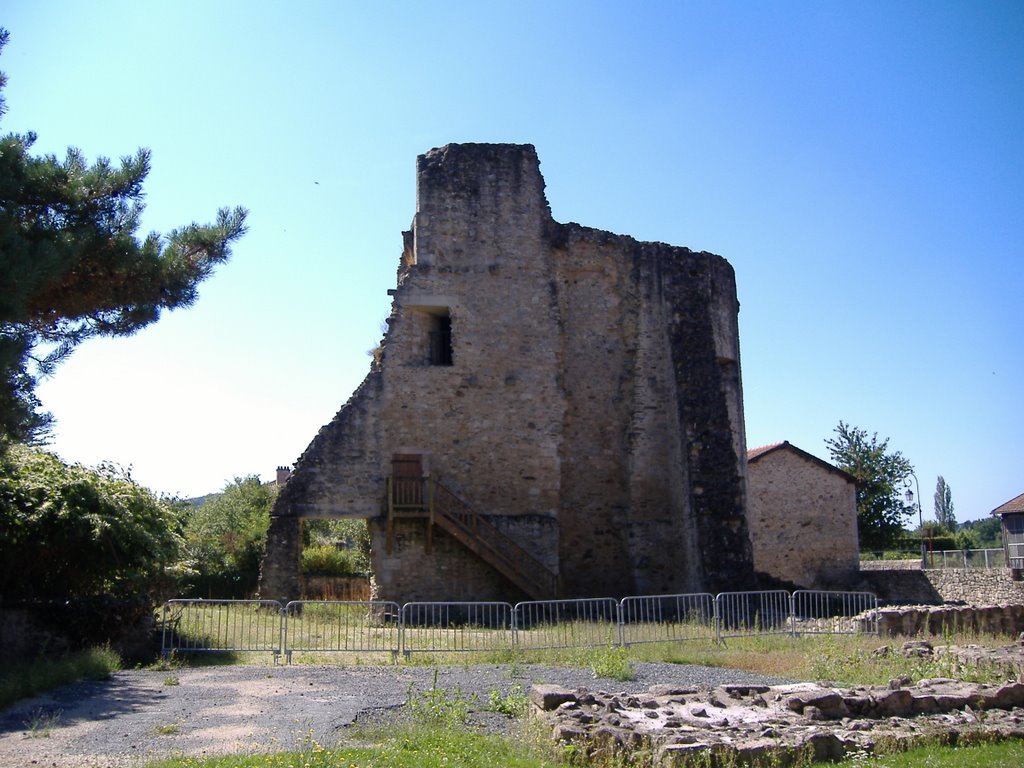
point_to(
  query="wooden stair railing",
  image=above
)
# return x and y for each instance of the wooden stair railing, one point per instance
(440, 506)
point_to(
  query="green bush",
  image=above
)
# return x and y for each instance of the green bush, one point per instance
(69, 531)
(328, 560)
(335, 547)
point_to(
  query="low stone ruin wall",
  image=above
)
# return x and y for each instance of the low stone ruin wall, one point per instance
(780, 725)
(891, 565)
(914, 620)
(905, 582)
(980, 586)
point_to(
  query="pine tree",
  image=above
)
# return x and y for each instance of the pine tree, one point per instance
(72, 267)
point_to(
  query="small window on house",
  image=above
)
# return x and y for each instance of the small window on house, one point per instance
(440, 340)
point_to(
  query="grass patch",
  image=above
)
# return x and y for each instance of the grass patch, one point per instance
(412, 747)
(25, 679)
(1003, 754)
(842, 659)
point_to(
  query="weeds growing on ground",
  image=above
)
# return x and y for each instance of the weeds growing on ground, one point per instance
(41, 721)
(512, 704)
(19, 681)
(438, 708)
(613, 662)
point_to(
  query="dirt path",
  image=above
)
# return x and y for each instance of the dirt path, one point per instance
(137, 716)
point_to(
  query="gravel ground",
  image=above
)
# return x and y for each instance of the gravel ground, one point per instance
(136, 717)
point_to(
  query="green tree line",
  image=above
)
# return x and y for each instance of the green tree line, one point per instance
(68, 531)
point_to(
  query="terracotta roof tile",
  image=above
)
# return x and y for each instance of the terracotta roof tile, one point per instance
(756, 453)
(753, 453)
(1013, 505)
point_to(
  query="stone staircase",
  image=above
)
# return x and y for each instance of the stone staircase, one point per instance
(428, 498)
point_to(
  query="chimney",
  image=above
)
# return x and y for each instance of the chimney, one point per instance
(283, 473)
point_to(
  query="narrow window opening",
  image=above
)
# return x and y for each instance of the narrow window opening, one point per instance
(440, 340)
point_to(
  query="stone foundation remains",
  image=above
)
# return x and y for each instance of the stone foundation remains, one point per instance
(780, 725)
(913, 621)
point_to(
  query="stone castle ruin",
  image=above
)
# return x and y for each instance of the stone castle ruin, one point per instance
(554, 410)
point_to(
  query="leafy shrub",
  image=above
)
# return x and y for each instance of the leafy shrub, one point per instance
(328, 560)
(70, 531)
(335, 547)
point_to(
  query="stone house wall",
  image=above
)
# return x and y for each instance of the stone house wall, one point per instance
(591, 410)
(802, 514)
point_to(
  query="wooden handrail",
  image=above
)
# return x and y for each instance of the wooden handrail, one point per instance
(426, 497)
(508, 557)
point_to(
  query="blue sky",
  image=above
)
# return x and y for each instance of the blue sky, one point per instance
(861, 165)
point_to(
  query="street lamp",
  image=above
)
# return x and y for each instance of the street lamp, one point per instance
(920, 514)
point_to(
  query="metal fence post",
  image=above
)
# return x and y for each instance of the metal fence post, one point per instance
(619, 623)
(718, 621)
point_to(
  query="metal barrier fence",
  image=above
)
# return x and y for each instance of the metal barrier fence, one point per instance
(666, 618)
(966, 558)
(458, 627)
(321, 626)
(585, 623)
(834, 613)
(752, 613)
(222, 625)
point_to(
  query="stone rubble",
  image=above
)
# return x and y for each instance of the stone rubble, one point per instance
(781, 724)
(1009, 660)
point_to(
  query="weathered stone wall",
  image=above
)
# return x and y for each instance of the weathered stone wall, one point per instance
(803, 520)
(980, 619)
(592, 409)
(891, 565)
(984, 586)
(980, 586)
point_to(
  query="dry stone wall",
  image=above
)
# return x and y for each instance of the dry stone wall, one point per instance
(912, 584)
(982, 586)
(590, 407)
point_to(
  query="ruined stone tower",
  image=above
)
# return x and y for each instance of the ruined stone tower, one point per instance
(555, 410)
